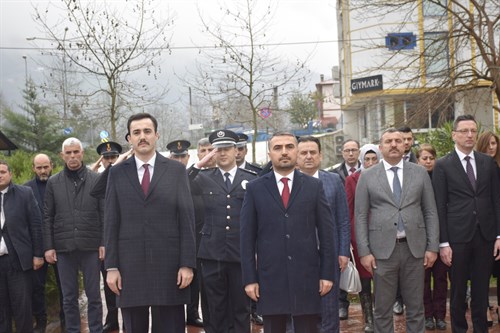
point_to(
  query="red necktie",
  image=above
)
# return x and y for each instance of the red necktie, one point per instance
(285, 195)
(145, 179)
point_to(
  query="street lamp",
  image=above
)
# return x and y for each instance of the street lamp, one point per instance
(25, 71)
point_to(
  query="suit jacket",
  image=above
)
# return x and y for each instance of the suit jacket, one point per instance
(341, 170)
(460, 208)
(279, 246)
(377, 213)
(149, 237)
(336, 196)
(220, 235)
(23, 225)
(34, 187)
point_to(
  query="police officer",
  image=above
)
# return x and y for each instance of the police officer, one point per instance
(222, 189)
(179, 151)
(241, 147)
(109, 153)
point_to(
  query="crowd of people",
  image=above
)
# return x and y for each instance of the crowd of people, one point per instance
(254, 245)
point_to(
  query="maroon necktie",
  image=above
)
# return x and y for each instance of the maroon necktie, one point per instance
(145, 179)
(352, 170)
(285, 195)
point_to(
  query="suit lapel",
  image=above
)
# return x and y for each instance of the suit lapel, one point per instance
(271, 186)
(298, 179)
(131, 173)
(407, 179)
(159, 169)
(383, 181)
(460, 169)
(238, 178)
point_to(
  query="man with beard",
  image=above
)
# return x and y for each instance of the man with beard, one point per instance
(42, 167)
(397, 232)
(287, 242)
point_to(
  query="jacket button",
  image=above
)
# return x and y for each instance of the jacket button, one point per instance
(228, 196)
(228, 206)
(289, 257)
(227, 227)
(287, 236)
(286, 215)
(228, 217)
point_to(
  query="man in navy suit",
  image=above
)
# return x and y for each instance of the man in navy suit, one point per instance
(468, 203)
(287, 242)
(149, 234)
(21, 251)
(309, 161)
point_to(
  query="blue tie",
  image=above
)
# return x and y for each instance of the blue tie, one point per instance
(396, 192)
(227, 181)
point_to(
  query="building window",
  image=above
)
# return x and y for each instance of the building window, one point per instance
(434, 7)
(401, 41)
(436, 53)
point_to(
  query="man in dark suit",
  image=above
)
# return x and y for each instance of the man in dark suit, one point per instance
(397, 232)
(468, 202)
(149, 234)
(42, 167)
(287, 242)
(309, 161)
(223, 189)
(350, 154)
(21, 251)
(408, 141)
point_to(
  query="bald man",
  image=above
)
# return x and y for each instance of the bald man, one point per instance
(42, 167)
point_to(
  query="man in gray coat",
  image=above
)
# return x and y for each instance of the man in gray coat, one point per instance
(397, 231)
(72, 235)
(149, 234)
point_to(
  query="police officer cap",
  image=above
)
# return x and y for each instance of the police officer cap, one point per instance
(242, 140)
(179, 147)
(223, 138)
(109, 148)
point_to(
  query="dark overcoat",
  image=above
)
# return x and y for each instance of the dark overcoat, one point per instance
(287, 250)
(149, 237)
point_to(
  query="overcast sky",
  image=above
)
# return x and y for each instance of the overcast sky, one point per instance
(295, 21)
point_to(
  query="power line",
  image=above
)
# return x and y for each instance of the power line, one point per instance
(206, 46)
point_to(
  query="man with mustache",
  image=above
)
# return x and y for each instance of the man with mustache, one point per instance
(72, 235)
(42, 167)
(397, 232)
(149, 234)
(287, 242)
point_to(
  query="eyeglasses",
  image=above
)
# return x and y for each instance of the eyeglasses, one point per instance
(467, 131)
(350, 151)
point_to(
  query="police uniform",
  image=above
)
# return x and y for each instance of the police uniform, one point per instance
(242, 142)
(220, 241)
(105, 149)
(178, 147)
(109, 148)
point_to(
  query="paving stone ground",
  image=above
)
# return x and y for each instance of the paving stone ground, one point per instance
(352, 325)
